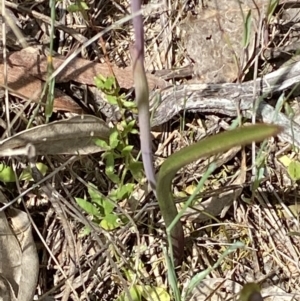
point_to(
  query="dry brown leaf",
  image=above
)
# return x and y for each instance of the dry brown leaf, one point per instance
(27, 72)
(70, 136)
(22, 84)
(79, 70)
(19, 261)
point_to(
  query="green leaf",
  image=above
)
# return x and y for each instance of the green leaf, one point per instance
(128, 104)
(271, 8)
(285, 160)
(114, 139)
(136, 169)
(85, 231)
(7, 174)
(154, 293)
(112, 99)
(99, 81)
(130, 274)
(106, 205)
(124, 124)
(26, 174)
(131, 123)
(128, 127)
(147, 292)
(127, 150)
(289, 111)
(84, 5)
(103, 144)
(206, 147)
(95, 194)
(73, 8)
(135, 294)
(42, 168)
(110, 169)
(247, 30)
(172, 278)
(88, 207)
(110, 83)
(123, 192)
(51, 86)
(111, 222)
(134, 131)
(259, 177)
(294, 170)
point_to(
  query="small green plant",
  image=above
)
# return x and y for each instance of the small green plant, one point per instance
(292, 166)
(102, 208)
(118, 146)
(145, 292)
(78, 6)
(7, 174)
(142, 292)
(117, 149)
(111, 89)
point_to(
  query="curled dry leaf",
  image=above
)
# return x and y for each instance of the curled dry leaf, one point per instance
(71, 136)
(19, 260)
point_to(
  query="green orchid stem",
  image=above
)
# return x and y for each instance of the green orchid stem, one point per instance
(176, 220)
(208, 147)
